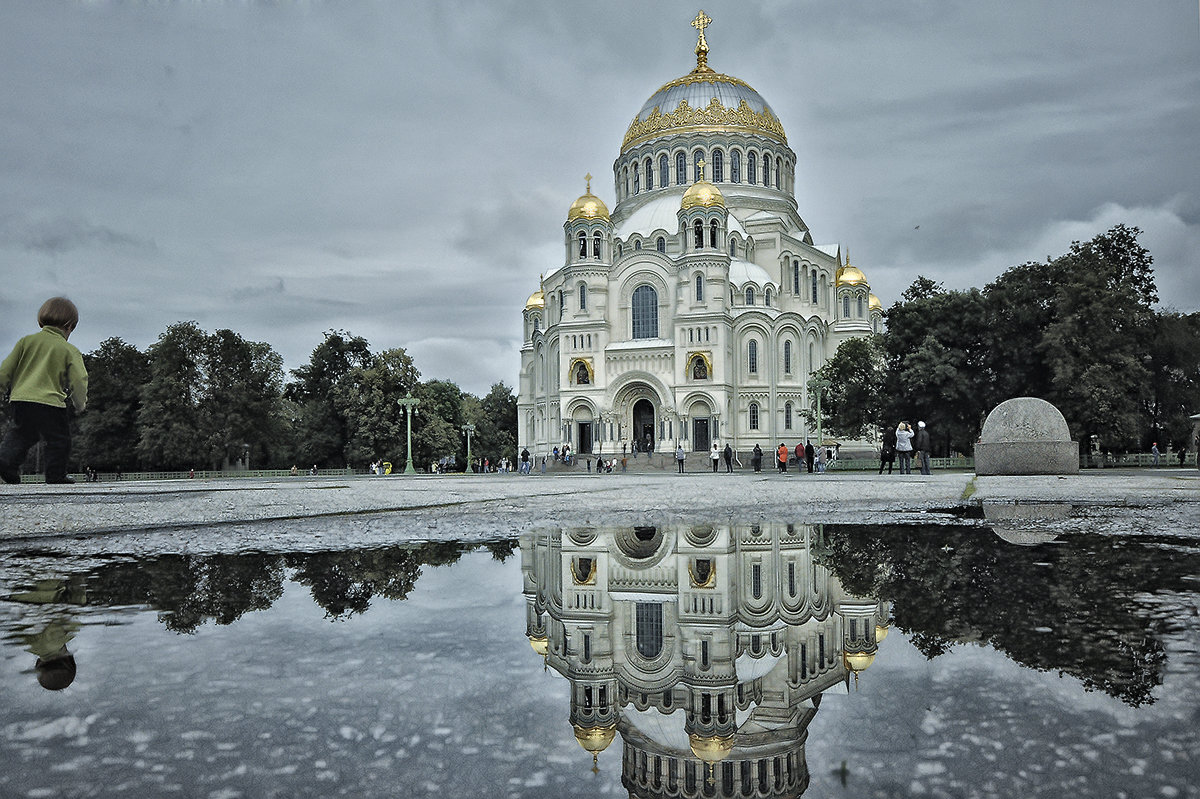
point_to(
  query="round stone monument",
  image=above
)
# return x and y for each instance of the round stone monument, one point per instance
(1026, 435)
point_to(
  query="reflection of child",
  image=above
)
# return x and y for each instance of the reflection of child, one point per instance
(40, 372)
(55, 664)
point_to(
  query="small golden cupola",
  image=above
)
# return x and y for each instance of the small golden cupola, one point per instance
(702, 194)
(850, 275)
(589, 206)
(873, 304)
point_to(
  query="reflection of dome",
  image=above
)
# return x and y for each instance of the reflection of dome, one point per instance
(540, 644)
(858, 661)
(595, 739)
(702, 194)
(881, 632)
(711, 749)
(589, 206)
(536, 300)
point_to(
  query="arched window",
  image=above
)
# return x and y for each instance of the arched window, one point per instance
(645, 312)
(750, 301)
(537, 323)
(860, 313)
(620, 250)
(718, 166)
(712, 234)
(735, 166)
(697, 157)
(649, 629)
(766, 169)
(778, 169)
(751, 167)
(814, 288)
(812, 367)
(754, 416)
(625, 179)
(698, 234)
(732, 247)
(846, 307)
(637, 179)
(664, 171)
(649, 174)
(562, 303)
(596, 244)
(661, 244)
(637, 245)
(583, 296)
(699, 287)
(787, 358)
(680, 169)
(752, 347)
(582, 244)
(787, 416)
(796, 278)
(767, 297)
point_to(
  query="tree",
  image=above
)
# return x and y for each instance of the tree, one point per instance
(108, 431)
(853, 402)
(320, 425)
(366, 399)
(169, 420)
(1174, 389)
(240, 411)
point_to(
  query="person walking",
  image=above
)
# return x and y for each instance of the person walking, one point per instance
(1154, 452)
(810, 455)
(679, 456)
(887, 451)
(525, 460)
(921, 445)
(822, 456)
(904, 437)
(781, 458)
(728, 456)
(799, 456)
(756, 458)
(715, 455)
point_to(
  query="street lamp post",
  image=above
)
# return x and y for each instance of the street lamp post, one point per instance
(468, 428)
(819, 386)
(410, 407)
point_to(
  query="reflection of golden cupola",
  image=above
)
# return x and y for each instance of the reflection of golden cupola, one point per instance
(873, 304)
(540, 644)
(702, 194)
(850, 275)
(858, 661)
(589, 206)
(880, 630)
(711, 749)
(595, 740)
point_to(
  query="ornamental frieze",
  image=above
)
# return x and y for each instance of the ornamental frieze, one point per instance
(715, 114)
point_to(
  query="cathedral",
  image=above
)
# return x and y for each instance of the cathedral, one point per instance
(695, 311)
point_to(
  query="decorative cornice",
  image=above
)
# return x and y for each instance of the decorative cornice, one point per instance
(715, 116)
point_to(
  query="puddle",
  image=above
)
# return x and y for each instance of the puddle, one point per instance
(768, 660)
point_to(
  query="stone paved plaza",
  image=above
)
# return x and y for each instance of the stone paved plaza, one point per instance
(235, 514)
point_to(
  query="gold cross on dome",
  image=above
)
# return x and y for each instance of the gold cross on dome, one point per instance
(701, 22)
(588, 178)
(701, 164)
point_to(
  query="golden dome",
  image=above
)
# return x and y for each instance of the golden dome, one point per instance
(702, 194)
(711, 749)
(539, 643)
(873, 304)
(595, 739)
(589, 206)
(850, 275)
(536, 300)
(858, 661)
(880, 630)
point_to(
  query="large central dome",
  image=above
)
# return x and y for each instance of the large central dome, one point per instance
(703, 100)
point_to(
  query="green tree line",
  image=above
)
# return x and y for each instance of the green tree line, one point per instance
(211, 400)
(1079, 331)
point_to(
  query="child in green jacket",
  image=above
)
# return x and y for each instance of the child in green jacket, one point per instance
(39, 374)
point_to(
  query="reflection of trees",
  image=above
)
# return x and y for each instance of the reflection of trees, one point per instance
(952, 585)
(189, 590)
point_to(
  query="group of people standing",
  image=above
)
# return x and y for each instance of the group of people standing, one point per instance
(906, 444)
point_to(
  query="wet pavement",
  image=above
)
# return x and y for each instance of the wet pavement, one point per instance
(863, 636)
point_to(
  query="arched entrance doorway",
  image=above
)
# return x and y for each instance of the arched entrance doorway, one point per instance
(701, 428)
(643, 425)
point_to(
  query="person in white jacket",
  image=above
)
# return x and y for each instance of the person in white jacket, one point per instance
(904, 448)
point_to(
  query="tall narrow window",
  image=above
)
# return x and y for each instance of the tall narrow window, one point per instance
(699, 287)
(712, 234)
(718, 166)
(766, 169)
(637, 179)
(698, 231)
(680, 169)
(649, 174)
(732, 248)
(767, 297)
(735, 166)
(649, 629)
(664, 171)
(796, 278)
(583, 296)
(756, 579)
(778, 169)
(845, 307)
(787, 416)
(750, 301)
(787, 360)
(754, 416)
(812, 367)
(596, 246)
(697, 157)
(751, 167)
(860, 313)
(791, 578)
(752, 350)
(625, 179)
(645, 312)
(661, 244)
(582, 244)
(637, 245)
(814, 288)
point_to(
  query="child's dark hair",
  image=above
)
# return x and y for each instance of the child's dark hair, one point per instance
(58, 312)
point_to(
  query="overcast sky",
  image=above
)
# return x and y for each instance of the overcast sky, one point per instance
(403, 170)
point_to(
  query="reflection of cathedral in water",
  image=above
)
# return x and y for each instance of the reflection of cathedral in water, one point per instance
(706, 648)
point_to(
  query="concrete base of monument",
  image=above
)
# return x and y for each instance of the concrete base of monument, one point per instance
(1027, 457)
